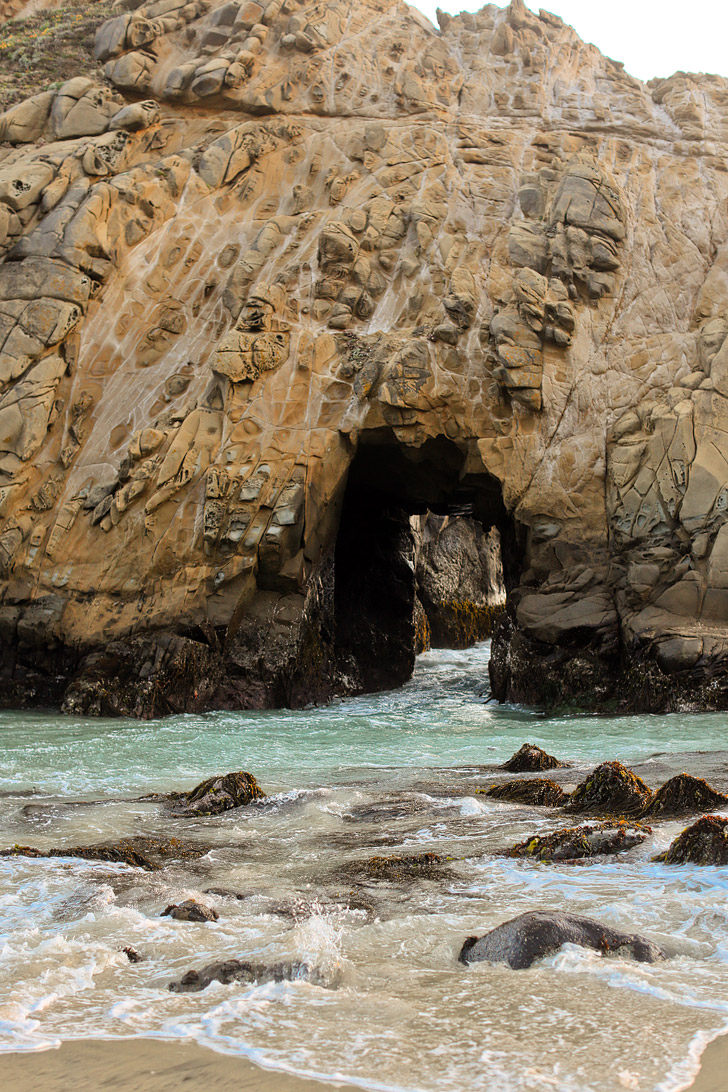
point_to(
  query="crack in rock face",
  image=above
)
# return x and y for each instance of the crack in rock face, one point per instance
(295, 274)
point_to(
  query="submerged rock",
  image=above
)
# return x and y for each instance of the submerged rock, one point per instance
(683, 795)
(539, 791)
(398, 869)
(240, 970)
(522, 940)
(190, 910)
(611, 789)
(132, 955)
(703, 843)
(529, 758)
(217, 794)
(591, 840)
(139, 852)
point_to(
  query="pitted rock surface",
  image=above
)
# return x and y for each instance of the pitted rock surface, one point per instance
(282, 236)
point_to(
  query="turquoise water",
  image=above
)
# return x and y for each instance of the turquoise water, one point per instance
(389, 773)
(443, 717)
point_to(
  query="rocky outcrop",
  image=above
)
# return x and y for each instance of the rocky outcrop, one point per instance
(216, 795)
(703, 843)
(684, 795)
(285, 275)
(400, 868)
(531, 936)
(536, 791)
(576, 843)
(240, 970)
(139, 851)
(529, 758)
(459, 576)
(611, 789)
(190, 910)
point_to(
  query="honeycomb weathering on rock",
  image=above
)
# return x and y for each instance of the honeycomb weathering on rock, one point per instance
(286, 231)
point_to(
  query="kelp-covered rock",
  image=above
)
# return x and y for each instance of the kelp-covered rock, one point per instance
(703, 843)
(522, 940)
(218, 794)
(538, 791)
(529, 758)
(611, 789)
(400, 869)
(190, 910)
(590, 840)
(684, 795)
(150, 854)
(240, 970)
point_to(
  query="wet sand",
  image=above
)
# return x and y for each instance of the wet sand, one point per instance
(713, 1075)
(143, 1065)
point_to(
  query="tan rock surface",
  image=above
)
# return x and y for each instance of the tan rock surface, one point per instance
(285, 232)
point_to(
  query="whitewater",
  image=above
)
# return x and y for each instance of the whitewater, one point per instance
(392, 773)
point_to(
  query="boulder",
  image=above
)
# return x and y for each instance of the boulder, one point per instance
(190, 910)
(703, 843)
(240, 970)
(531, 936)
(217, 794)
(590, 840)
(611, 789)
(684, 795)
(529, 758)
(537, 791)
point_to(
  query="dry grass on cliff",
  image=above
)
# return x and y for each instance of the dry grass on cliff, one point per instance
(45, 49)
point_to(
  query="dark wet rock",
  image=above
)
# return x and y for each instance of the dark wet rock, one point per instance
(400, 869)
(390, 809)
(522, 940)
(590, 840)
(684, 795)
(611, 789)
(190, 910)
(150, 854)
(703, 843)
(132, 955)
(529, 758)
(226, 893)
(240, 970)
(217, 794)
(538, 791)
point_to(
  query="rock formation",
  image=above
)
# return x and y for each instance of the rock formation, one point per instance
(291, 272)
(522, 940)
(459, 574)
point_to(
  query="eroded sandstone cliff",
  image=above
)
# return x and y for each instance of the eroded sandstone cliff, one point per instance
(293, 259)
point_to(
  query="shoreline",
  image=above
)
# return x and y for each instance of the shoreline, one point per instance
(160, 1065)
(713, 1067)
(145, 1065)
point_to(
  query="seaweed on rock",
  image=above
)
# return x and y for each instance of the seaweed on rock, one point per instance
(538, 791)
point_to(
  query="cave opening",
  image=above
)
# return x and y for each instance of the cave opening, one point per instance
(412, 521)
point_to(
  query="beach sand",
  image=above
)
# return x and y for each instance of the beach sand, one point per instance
(150, 1065)
(713, 1075)
(143, 1065)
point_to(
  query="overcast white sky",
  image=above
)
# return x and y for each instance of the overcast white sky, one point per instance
(652, 37)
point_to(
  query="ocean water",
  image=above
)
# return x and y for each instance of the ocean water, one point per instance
(389, 773)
